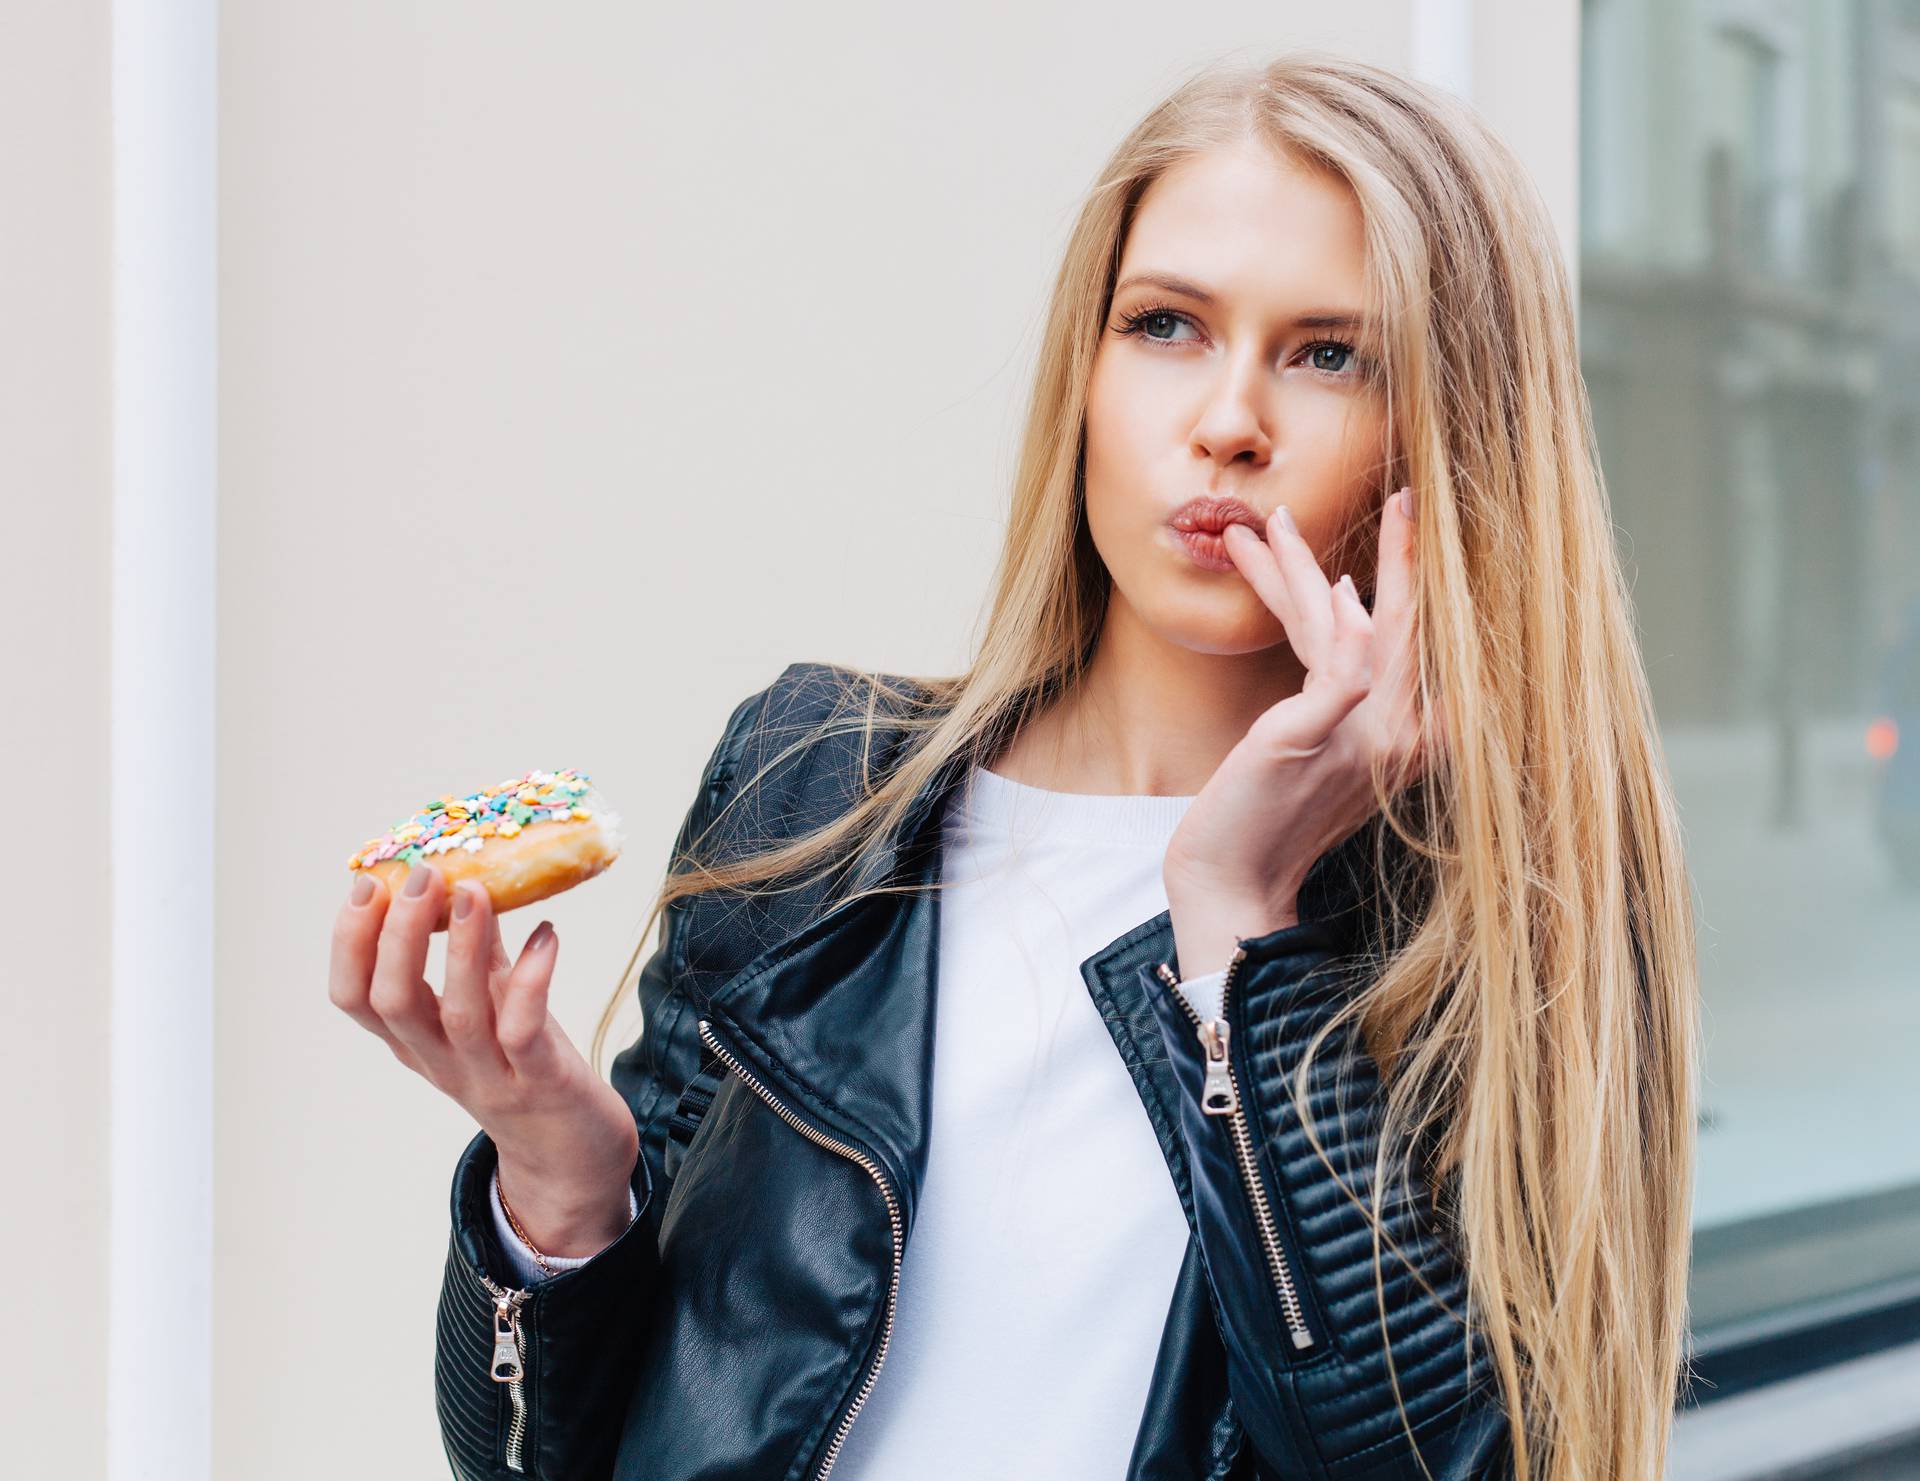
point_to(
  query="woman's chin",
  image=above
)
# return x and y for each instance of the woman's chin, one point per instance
(1222, 628)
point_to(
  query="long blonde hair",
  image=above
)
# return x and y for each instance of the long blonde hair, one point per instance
(1536, 1032)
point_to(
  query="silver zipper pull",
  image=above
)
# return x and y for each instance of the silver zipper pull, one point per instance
(506, 1341)
(1217, 1095)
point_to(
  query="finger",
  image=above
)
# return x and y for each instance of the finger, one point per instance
(1386, 731)
(1393, 575)
(1396, 681)
(1311, 592)
(1260, 567)
(500, 962)
(1303, 723)
(356, 938)
(466, 1002)
(356, 931)
(523, 1013)
(1350, 647)
(400, 994)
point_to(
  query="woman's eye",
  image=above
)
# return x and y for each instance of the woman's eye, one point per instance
(1343, 352)
(1328, 356)
(1149, 323)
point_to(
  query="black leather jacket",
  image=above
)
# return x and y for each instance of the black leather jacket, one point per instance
(781, 1087)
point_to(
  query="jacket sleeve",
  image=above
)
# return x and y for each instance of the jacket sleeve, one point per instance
(575, 1332)
(1289, 1259)
(520, 1259)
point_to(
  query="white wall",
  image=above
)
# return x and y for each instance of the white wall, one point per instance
(574, 365)
(56, 471)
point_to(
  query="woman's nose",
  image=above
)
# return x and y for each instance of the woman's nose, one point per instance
(1232, 429)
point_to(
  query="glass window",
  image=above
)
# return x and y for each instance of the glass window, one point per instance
(1750, 324)
(1903, 178)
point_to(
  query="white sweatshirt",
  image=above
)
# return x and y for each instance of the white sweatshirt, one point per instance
(1038, 1274)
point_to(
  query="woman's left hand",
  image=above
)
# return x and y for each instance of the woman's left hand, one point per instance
(1299, 781)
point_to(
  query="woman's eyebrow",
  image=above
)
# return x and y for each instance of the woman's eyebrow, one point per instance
(1316, 319)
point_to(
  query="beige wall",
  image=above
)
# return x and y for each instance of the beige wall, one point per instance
(575, 366)
(56, 473)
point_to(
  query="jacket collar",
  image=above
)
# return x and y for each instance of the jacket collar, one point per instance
(832, 1017)
(839, 1016)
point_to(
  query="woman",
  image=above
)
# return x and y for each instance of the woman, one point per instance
(1397, 952)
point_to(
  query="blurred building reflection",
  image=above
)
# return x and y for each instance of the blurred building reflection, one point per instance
(1750, 333)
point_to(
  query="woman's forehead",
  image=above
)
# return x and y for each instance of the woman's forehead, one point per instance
(1248, 228)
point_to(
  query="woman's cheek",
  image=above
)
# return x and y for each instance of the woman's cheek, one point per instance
(1125, 512)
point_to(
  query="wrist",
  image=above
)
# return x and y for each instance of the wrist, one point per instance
(1208, 927)
(570, 1219)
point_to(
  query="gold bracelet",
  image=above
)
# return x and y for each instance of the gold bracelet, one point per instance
(538, 1258)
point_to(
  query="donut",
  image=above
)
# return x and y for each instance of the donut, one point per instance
(523, 839)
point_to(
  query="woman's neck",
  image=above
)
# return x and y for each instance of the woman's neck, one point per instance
(1149, 717)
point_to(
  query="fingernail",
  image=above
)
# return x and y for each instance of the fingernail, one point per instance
(418, 880)
(463, 902)
(1347, 581)
(1406, 501)
(362, 890)
(542, 936)
(1285, 516)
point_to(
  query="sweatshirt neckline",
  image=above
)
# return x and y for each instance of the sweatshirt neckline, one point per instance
(999, 804)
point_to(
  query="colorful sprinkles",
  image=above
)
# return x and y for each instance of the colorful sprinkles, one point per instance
(500, 811)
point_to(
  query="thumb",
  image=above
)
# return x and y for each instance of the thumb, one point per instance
(523, 1014)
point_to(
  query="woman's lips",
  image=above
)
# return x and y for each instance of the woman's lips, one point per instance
(1199, 526)
(1206, 548)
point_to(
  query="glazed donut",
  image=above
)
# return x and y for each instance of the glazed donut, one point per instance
(523, 839)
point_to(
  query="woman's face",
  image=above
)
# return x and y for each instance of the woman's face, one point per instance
(1228, 368)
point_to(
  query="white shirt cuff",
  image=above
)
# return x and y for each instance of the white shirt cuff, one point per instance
(524, 1265)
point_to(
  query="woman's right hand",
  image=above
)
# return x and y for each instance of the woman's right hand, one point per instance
(567, 1140)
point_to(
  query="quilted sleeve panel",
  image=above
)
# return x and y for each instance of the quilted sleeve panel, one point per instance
(1290, 986)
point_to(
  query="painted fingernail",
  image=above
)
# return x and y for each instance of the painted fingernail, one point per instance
(419, 879)
(362, 890)
(542, 936)
(1285, 516)
(463, 902)
(1406, 501)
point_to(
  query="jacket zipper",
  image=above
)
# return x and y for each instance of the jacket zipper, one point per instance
(509, 1362)
(754, 1084)
(1220, 1096)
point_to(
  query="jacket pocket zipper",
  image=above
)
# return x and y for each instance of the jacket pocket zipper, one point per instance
(1220, 1096)
(753, 1083)
(509, 1363)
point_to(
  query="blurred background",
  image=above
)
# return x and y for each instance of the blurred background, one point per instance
(1750, 335)
(402, 396)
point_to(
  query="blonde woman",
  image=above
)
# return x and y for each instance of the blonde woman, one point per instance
(1242, 1026)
